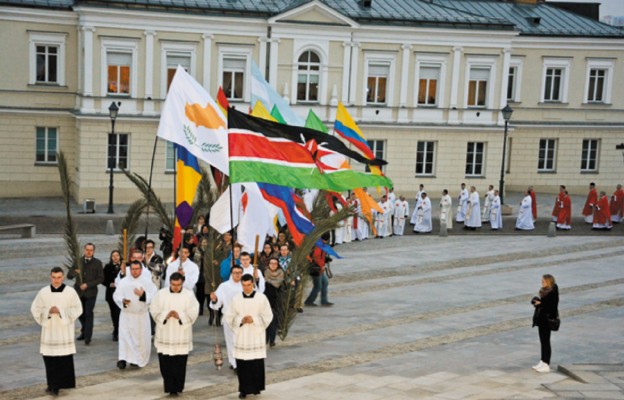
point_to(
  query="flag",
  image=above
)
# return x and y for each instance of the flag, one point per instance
(192, 119)
(314, 122)
(257, 216)
(298, 225)
(222, 101)
(261, 112)
(263, 92)
(367, 205)
(220, 218)
(188, 176)
(346, 127)
(275, 113)
(265, 151)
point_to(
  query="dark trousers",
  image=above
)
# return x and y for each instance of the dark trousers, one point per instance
(173, 371)
(86, 319)
(114, 313)
(544, 335)
(200, 294)
(250, 373)
(271, 331)
(60, 372)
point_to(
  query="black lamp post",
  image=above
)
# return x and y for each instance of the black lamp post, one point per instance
(112, 111)
(507, 111)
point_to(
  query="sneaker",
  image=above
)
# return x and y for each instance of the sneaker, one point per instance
(544, 368)
(328, 304)
(538, 365)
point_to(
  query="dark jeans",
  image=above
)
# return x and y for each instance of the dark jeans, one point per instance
(544, 335)
(320, 284)
(86, 319)
(114, 312)
(271, 331)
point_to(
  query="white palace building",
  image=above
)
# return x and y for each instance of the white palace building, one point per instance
(425, 80)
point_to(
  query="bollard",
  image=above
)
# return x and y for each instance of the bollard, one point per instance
(552, 230)
(443, 230)
(110, 230)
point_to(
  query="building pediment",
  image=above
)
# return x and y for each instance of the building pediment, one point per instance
(314, 12)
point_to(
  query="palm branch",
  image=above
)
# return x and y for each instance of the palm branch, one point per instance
(73, 260)
(131, 222)
(298, 269)
(151, 199)
(205, 197)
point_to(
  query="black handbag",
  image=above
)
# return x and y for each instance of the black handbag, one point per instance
(554, 323)
(315, 270)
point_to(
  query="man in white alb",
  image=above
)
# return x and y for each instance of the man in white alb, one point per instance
(222, 298)
(184, 266)
(133, 296)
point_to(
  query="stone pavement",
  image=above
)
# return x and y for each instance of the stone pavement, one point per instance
(415, 317)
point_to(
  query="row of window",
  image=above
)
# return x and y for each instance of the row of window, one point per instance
(118, 153)
(430, 72)
(475, 156)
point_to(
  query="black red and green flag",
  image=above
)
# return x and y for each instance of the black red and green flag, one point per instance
(293, 156)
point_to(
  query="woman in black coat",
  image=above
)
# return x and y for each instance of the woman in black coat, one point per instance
(111, 270)
(546, 307)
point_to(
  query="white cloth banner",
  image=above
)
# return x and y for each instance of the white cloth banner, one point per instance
(193, 120)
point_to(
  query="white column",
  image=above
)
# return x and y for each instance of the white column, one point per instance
(273, 63)
(207, 60)
(87, 105)
(453, 113)
(88, 61)
(148, 105)
(262, 54)
(403, 85)
(346, 72)
(355, 59)
(504, 83)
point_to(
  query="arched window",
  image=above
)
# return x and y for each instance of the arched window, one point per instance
(308, 78)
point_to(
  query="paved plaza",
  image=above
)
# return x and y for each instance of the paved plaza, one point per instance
(414, 317)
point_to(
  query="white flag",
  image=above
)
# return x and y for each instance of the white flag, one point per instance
(192, 119)
(220, 211)
(256, 219)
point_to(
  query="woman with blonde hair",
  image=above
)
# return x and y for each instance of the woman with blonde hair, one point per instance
(546, 310)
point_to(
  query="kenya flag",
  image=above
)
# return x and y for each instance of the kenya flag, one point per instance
(293, 156)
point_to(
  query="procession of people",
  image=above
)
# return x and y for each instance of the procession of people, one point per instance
(151, 301)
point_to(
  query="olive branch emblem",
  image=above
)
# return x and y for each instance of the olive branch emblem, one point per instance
(204, 147)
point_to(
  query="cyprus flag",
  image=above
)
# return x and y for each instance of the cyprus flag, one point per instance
(193, 120)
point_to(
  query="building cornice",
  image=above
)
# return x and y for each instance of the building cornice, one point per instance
(41, 16)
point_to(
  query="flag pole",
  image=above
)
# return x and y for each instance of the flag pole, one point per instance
(149, 185)
(232, 222)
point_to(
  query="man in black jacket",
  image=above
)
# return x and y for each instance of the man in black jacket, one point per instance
(86, 287)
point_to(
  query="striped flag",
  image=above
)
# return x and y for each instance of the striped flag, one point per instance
(346, 127)
(266, 151)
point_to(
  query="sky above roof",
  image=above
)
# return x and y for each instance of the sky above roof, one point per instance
(607, 7)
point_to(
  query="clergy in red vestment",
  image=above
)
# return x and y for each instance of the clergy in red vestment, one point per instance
(563, 208)
(558, 203)
(617, 204)
(592, 199)
(602, 215)
(564, 221)
(533, 203)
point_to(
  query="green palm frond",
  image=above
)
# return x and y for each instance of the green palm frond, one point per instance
(70, 236)
(151, 199)
(131, 222)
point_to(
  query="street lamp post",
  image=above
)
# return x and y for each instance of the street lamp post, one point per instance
(112, 111)
(507, 111)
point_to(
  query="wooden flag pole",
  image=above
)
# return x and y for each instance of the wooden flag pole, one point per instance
(255, 260)
(125, 244)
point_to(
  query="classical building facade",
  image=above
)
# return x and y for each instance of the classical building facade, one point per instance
(425, 79)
